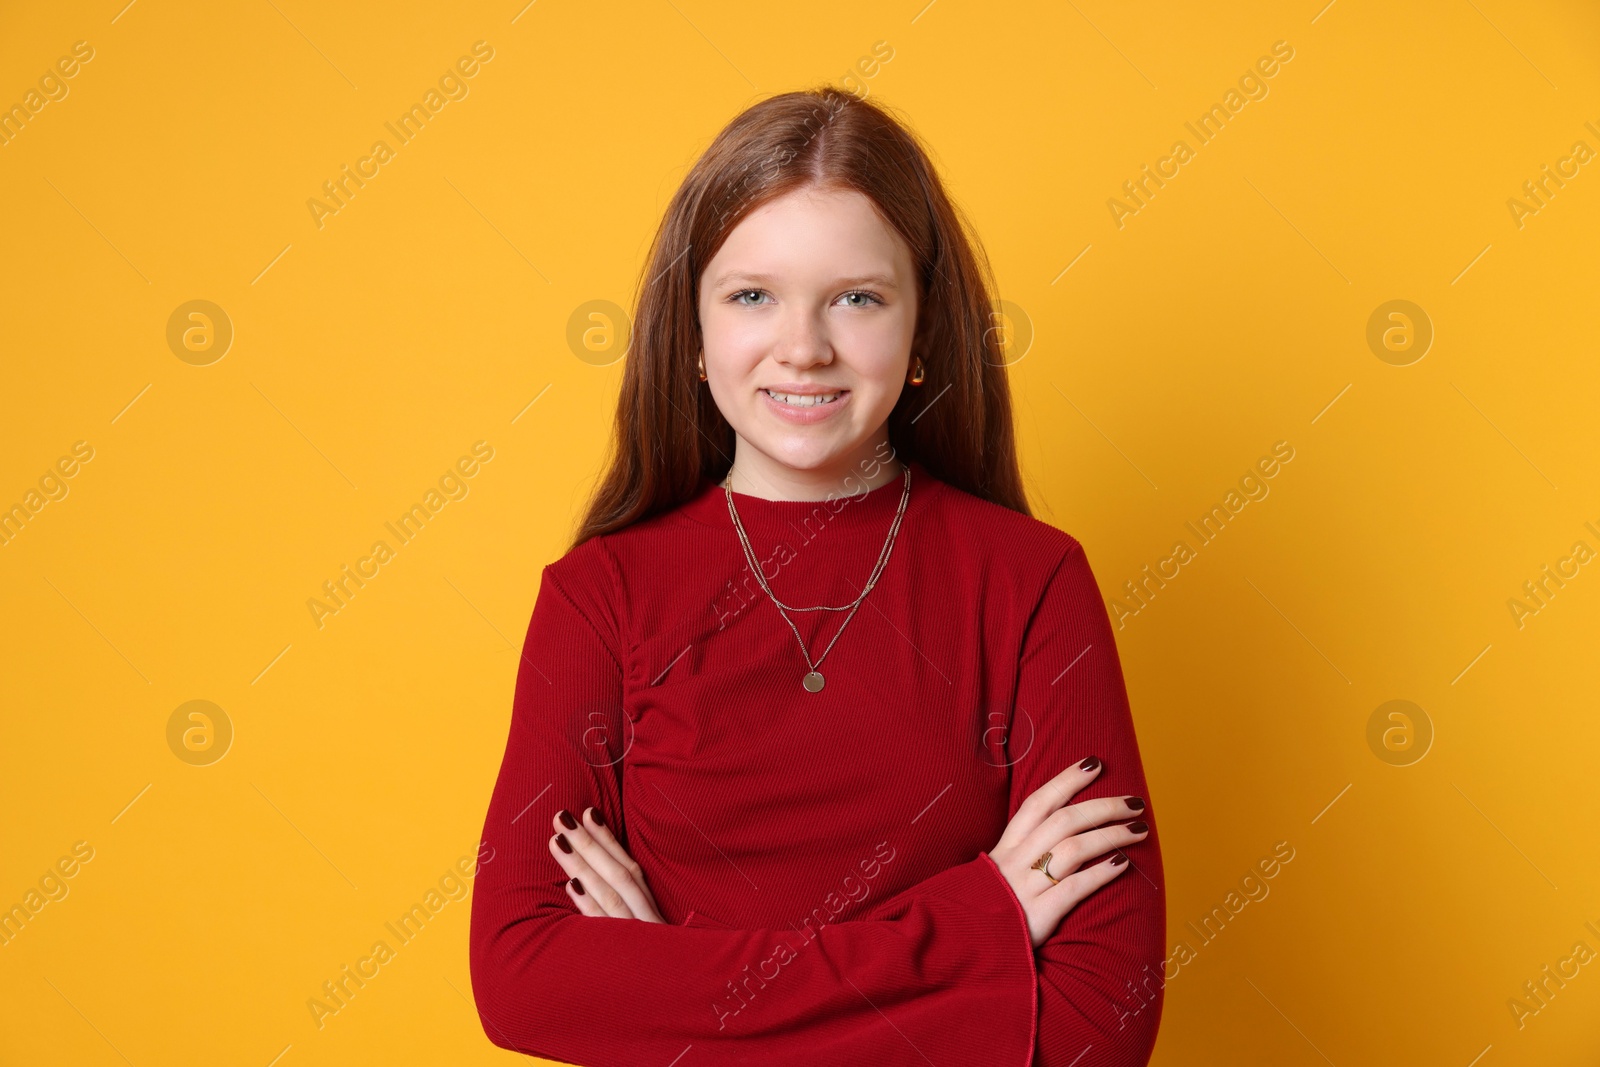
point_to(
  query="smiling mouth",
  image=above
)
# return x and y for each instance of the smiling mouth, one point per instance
(804, 400)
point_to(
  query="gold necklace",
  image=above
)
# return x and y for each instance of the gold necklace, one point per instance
(813, 679)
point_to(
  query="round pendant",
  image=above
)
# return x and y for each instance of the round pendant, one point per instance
(813, 682)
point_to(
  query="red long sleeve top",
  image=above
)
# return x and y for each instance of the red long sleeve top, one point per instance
(820, 859)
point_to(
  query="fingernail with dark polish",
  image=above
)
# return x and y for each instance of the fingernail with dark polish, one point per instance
(1116, 861)
(1138, 827)
(566, 819)
(577, 887)
(1089, 764)
(599, 820)
(561, 843)
(1135, 803)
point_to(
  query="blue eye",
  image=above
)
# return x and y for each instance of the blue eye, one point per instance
(870, 298)
(861, 292)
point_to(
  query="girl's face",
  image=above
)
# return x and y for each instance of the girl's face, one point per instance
(808, 312)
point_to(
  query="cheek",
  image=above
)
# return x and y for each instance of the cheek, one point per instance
(887, 333)
(733, 356)
(879, 350)
(733, 341)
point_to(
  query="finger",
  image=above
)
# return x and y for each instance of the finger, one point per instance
(619, 894)
(1078, 849)
(592, 821)
(1084, 815)
(580, 897)
(1047, 798)
(600, 898)
(1071, 891)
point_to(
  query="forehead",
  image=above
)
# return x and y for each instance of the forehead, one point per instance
(812, 233)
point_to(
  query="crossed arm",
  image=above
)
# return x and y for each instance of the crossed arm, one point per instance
(946, 971)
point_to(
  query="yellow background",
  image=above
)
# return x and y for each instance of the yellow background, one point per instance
(369, 354)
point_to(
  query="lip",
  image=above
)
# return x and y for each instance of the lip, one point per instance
(804, 416)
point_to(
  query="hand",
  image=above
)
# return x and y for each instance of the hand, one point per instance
(602, 878)
(1071, 834)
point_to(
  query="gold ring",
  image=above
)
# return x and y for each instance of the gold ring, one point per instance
(1043, 864)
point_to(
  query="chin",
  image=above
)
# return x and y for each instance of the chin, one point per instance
(802, 456)
(807, 460)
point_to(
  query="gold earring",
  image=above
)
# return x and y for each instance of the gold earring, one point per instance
(702, 366)
(918, 373)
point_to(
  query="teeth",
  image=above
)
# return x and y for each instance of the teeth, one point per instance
(799, 401)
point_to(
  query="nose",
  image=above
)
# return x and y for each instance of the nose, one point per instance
(803, 341)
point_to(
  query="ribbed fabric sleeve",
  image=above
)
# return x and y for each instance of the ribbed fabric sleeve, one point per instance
(1100, 973)
(631, 679)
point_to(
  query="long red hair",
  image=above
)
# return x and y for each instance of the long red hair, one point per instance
(670, 438)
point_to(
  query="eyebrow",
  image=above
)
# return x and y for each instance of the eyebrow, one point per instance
(882, 281)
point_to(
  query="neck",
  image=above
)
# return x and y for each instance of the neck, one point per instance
(755, 473)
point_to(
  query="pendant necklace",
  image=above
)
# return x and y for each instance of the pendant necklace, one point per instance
(813, 678)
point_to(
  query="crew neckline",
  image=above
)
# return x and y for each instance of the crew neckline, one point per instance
(709, 507)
